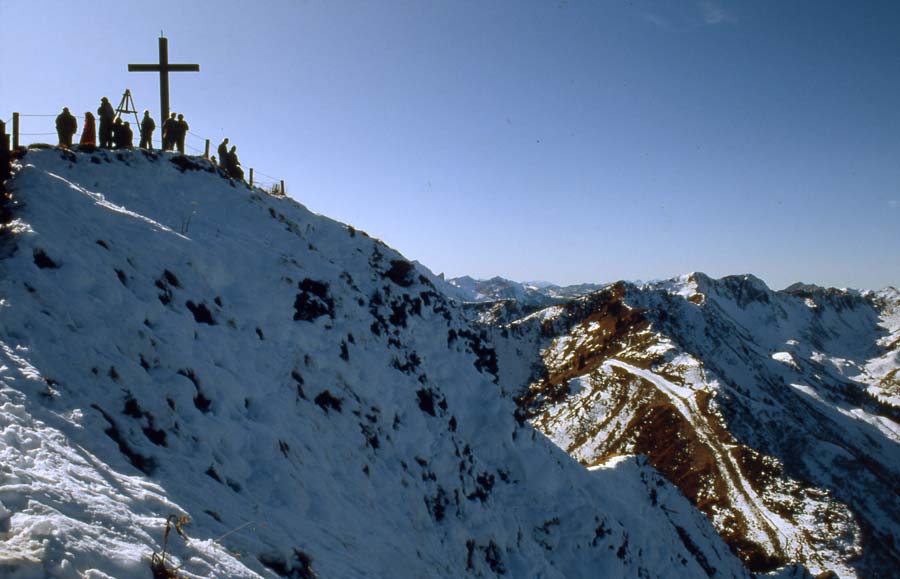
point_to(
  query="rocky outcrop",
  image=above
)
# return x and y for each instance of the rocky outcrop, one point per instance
(769, 410)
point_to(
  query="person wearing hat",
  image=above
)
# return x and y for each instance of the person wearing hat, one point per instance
(66, 126)
(106, 114)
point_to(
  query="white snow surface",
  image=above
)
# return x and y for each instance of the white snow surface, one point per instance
(172, 343)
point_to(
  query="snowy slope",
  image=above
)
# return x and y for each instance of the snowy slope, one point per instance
(173, 343)
(774, 412)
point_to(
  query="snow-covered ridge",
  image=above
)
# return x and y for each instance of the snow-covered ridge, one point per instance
(775, 412)
(174, 343)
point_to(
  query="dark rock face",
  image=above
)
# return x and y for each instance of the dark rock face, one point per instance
(313, 301)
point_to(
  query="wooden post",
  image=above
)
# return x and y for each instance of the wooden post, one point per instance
(251, 176)
(5, 172)
(206, 153)
(5, 157)
(282, 187)
(15, 130)
(163, 78)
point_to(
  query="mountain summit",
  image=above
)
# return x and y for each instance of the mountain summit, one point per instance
(287, 391)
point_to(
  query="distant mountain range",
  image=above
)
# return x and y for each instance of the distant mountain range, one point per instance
(527, 294)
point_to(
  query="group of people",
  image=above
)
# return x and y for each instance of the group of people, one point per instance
(173, 132)
(67, 126)
(228, 160)
(114, 132)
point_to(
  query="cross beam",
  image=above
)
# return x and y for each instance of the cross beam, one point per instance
(163, 68)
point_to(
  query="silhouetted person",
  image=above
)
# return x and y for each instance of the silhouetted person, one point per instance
(66, 126)
(181, 129)
(126, 137)
(123, 136)
(147, 128)
(117, 131)
(233, 166)
(168, 133)
(89, 133)
(107, 114)
(223, 154)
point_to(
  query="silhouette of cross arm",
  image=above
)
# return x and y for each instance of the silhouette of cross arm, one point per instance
(170, 68)
(163, 68)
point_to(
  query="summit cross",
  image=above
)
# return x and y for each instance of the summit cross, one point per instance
(163, 68)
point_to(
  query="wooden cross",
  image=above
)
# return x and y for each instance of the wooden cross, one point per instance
(163, 68)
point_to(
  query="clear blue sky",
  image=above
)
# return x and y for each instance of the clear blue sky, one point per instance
(569, 141)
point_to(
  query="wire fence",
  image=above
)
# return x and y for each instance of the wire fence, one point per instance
(36, 126)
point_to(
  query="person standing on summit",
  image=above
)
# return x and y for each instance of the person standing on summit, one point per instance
(233, 165)
(181, 129)
(223, 154)
(168, 133)
(117, 132)
(89, 132)
(147, 128)
(123, 136)
(106, 114)
(66, 127)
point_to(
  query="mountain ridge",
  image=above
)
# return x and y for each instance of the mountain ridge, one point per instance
(763, 384)
(173, 342)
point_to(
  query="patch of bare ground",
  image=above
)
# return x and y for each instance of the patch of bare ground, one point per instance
(606, 328)
(674, 448)
(671, 443)
(890, 384)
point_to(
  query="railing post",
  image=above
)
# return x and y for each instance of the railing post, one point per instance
(15, 130)
(251, 176)
(5, 157)
(206, 153)
(282, 187)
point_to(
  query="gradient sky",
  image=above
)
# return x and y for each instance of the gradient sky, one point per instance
(569, 141)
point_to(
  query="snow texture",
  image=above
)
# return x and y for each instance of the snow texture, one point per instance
(176, 343)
